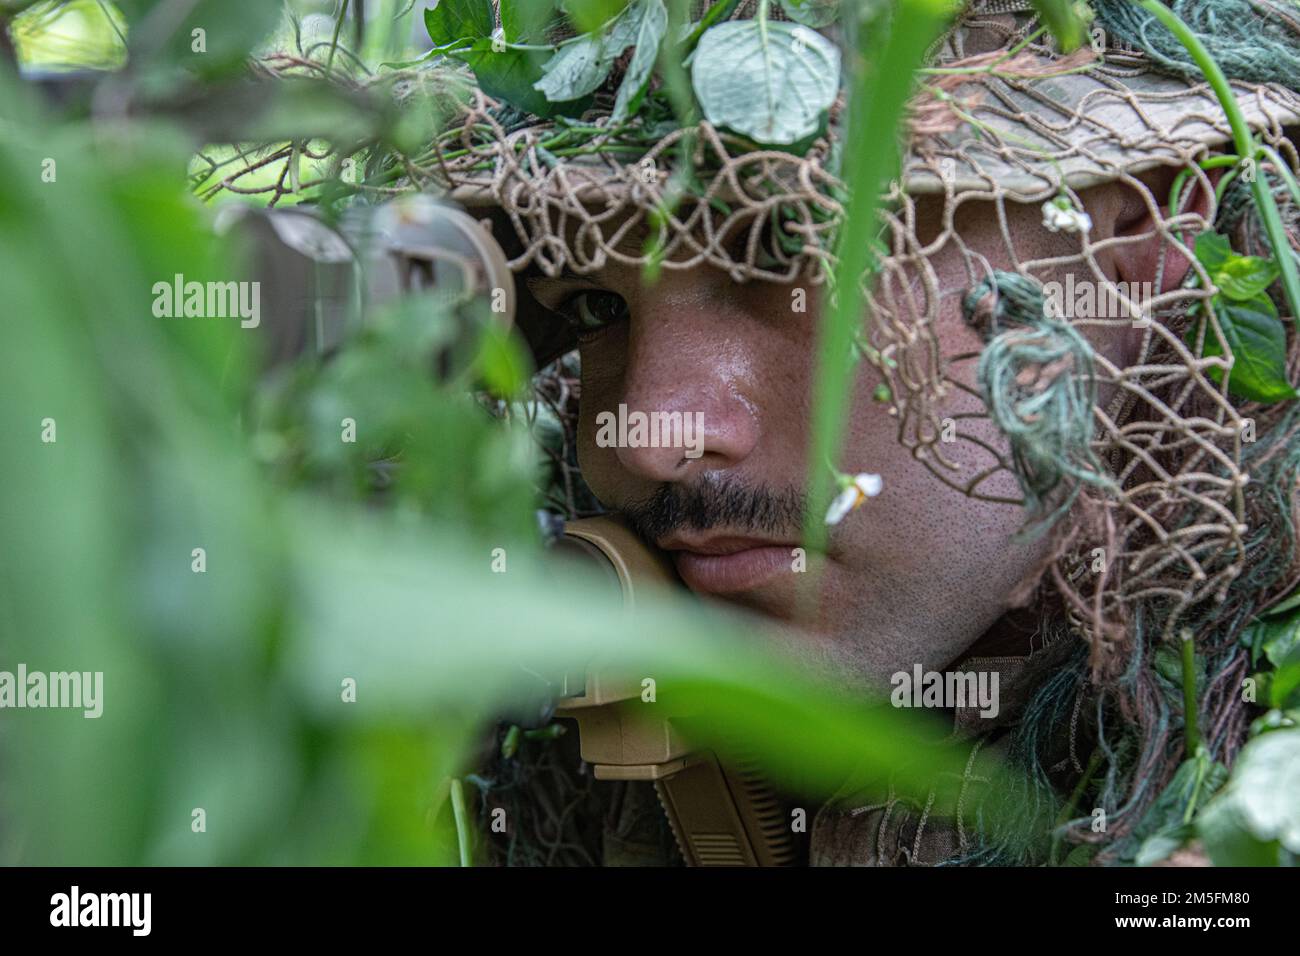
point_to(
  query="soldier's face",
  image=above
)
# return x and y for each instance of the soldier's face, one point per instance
(915, 575)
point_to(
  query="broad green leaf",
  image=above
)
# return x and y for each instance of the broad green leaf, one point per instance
(1212, 251)
(1281, 637)
(452, 21)
(1274, 637)
(580, 65)
(526, 21)
(503, 362)
(511, 75)
(230, 31)
(771, 82)
(1275, 632)
(1273, 720)
(1258, 343)
(590, 15)
(1284, 682)
(691, 32)
(1255, 820)
(1163, 843)
(1242, 278)
(1080, 856)
(650, 33)
(812, 13)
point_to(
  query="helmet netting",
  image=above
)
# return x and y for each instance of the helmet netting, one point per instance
(1155, 477)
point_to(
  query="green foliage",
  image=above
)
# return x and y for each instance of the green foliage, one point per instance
(222, 688)
(812, 13)
(581, 64)
(650, 33)
(772, 82)
(1167, 825)
(589, 15)
(73, 33)
(1067, 20)
(452, 22)
(1249, 321)
(884, 64)
(1275, 634)
(1255, 821)
(164, 43)
(505, 68)
(526, 21)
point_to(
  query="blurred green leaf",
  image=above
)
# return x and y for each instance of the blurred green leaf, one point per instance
(1067, 20)
(812, 13)
(1255, 821)
(526, 21)
(590, 15)
(452, 21)
(581, 64)
(206, 37)
(882, 78)
(504, 362)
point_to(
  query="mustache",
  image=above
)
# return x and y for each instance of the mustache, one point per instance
(718, 502)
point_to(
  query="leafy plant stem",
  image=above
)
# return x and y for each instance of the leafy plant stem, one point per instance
(1191, 733)
(461, 815)
(1245, 145)
(1201, 767)
(877, 96)
(1068, 810)
(334, 41)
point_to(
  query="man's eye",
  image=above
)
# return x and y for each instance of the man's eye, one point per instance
(593, 311)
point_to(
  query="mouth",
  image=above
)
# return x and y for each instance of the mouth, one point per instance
(728, 565)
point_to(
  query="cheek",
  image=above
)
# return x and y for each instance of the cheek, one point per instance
(927, 540)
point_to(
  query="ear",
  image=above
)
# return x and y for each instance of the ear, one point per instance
(1141, 259)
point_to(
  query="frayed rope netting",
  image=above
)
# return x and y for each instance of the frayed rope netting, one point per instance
(1177, 496)
(1166, 500)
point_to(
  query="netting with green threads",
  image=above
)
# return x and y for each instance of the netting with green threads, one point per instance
(1036, 374)
(1132, 729)
(1252, 40)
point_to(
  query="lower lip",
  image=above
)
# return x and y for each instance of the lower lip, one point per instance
(732, 573)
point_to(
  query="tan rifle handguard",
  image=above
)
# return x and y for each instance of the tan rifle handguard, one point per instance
(721, 815)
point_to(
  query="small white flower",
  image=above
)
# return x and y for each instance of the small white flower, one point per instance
(854, 491)
(1059, 215)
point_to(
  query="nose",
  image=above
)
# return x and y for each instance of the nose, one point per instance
(690, 361)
